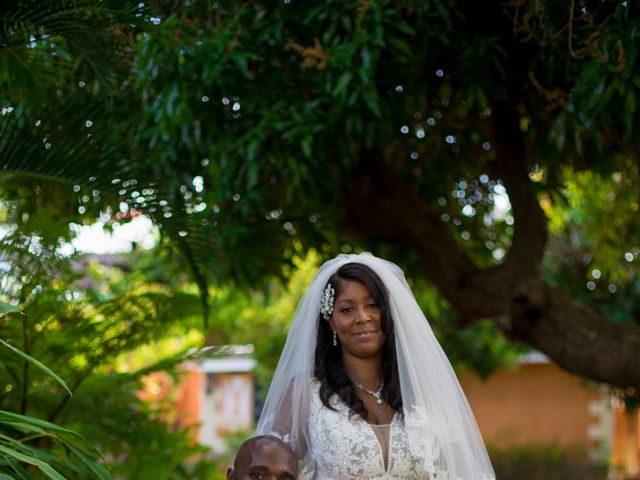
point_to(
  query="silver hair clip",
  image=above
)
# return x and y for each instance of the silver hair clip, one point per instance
(326, 304)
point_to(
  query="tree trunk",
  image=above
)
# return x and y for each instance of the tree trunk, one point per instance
(381, 204)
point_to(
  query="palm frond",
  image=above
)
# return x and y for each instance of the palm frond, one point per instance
(61, 36)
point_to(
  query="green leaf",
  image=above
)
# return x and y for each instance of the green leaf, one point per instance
(44, 424)
(21, 472)
(37, 422)
(37, 364)
(306, 145)
(372, 102)
(44, 466)
(6, 308)
(342, 84)
(35, 425)
(404, 27)
(4, 476)
(25, 427)
(14, 442)
(98, 470)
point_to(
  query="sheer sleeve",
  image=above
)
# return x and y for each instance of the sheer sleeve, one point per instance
(290, 423)
(291, 417)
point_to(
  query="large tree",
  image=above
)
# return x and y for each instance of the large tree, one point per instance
(249, 131)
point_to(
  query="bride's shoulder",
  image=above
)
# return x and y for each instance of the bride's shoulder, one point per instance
(304, 388)
(314, 389)
(337, 406)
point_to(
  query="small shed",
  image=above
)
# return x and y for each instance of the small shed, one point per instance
(217, 395)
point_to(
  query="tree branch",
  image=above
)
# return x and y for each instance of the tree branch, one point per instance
(530, 231)
(574, 336)
(380, 204)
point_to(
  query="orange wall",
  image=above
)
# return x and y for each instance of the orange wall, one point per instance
(189, 399)
(535, 404)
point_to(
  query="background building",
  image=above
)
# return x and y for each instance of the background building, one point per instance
(217, 395)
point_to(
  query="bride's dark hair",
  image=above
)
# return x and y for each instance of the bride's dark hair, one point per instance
(328, 359)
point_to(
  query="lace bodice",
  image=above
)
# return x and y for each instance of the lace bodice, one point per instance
(347, 448)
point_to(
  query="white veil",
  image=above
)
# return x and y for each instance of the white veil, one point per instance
(440, 426)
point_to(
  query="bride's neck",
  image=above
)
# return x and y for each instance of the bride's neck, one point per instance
(366, 371)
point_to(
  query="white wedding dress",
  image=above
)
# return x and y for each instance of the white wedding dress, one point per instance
(344, 447)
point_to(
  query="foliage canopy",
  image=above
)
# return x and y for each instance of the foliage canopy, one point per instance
(248, 131)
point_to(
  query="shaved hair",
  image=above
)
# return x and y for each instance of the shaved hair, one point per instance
(246, 446)
(245, 455)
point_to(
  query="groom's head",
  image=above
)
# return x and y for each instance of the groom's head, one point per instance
(264, 457)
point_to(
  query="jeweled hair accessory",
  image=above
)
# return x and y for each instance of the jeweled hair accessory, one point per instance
(326, 304)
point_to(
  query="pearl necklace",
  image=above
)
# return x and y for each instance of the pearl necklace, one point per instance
(375, 394)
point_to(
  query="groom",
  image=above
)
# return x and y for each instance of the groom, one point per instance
(264, 457)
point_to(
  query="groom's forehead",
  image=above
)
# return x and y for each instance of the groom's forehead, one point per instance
(268, 453)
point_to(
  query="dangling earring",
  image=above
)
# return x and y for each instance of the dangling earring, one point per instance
(335, 339)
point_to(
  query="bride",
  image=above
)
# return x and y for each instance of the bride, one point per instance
(363, 390)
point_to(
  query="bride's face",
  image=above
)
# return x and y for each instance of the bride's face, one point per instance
(356, 321)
